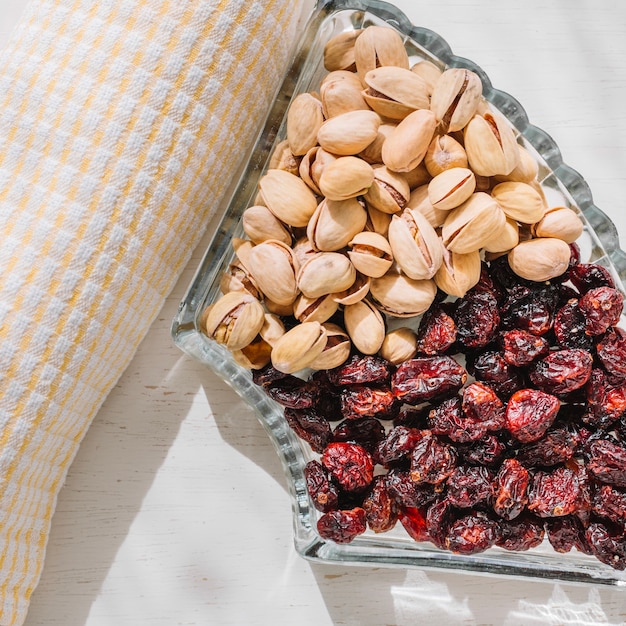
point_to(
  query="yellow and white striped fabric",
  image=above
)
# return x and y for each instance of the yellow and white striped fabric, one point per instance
(120, 121)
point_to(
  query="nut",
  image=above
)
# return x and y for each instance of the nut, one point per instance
(346, 177)
(287, 197)
(365, 326)
(325, 272)
(340, 92)
(255, 355)
(320, 309)
(279, 284)
(335, 223)
(505, 239)
(299, 347)
(389, 191)
(443, 153)
(370, 253)
(400, 296)
(337, 348)
(427, 71)
(357, 291)
(272, 329)
(407, 144)
(451, 188)
(339, 51)
(260, 224)
(349, 133)
(420, 201)
(238, 278)
(399, 345)
(519, 201)
(560, 222)
(455, 98)
(283, 158)
(304, 119)
(379, 46)
(458, 272)
(312, 165)
(540, 259)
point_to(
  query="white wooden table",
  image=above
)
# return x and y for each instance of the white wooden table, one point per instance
(175, 510)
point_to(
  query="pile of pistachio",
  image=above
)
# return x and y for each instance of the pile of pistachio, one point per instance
(394, 180)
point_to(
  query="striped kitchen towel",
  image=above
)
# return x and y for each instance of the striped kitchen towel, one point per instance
(120, 121)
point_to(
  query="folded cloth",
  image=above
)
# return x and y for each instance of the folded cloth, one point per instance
(120, 121)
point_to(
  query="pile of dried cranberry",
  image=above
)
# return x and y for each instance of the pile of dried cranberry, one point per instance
(508, 426)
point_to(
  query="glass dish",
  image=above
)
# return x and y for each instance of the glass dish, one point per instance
(562, 185)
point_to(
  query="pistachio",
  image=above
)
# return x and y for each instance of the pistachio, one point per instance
(400, 296)
(282, 310)
(418, 176)
(451, 188)
(458, 272)
(346, 177)
(337, 349)
(234, 320)
(357, 291)
(373, 153)
(379, 46)
(490, 145)
(415, 244)
(304, 119)
(284, 159)
(273, 266)
(443, 153)
(560, 222)
(370, 253)
(238, 278)
(519, 201)
(470, 225)
(335, 223)
(377, 221)
(299, 347)
(242, 248)
(389, 191)
(540, 259)
(399, 345)
(349, 133)
(339, 51)
(420, 201)
(429, 72)
(455, 98)
(312, 165)
(504, 239)
(325, 272)
(303, 250)
(314, 309)
(255, 355)
(260, 224)
(365, 326)
(407, 144)
(394, 92)
(340, 92)
(272, 329)
(525, 171)
(287, 197)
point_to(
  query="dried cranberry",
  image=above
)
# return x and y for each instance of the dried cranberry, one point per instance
(611, 351)
(510, 489)
(439, 517)
(491, 368)
(607, 462)
(363, 401)
(477, 319)
(350, 465)
(360, 370)
(310, 427)
(605, 402)
(529, 413)
(267, 375)
(342, 526)
(481, 405)
(397, 446)
(607, 544)
(530, 309)
(407, 492)
(414, 522)
(432, 460)
(570, 327)
(381, 511)
(521, 347)
(469, 486)
(447, 418)
(556, 446)
(602, 308)
(293, 392)
(426, 378)
(586, 276)
(522, 533)
(610, 502)
(436, 331)
(367, 432)
(471, 534)
(555, 493)
(565, 533)
(488, 451)
(412, 417)
(322, 491)
(562, 371)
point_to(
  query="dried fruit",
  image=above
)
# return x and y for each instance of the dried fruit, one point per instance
(529, 413)
(349, 464)
(427, 378)
(342, 526)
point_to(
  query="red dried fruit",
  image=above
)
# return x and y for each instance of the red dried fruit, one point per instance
(609, 502)
(471, 534)
(293, 392)
(491, 368)
(432, 460)
(408, 493)
(322, 491)
(267, 375)
(510, 489)
(605, 402)
(414, 522)
(310, 427)
(360, 370)
(363, 401)
(447, 418)
(586, 276)
(426, 378)
(602, 308)
(607, 462)
(565, 533)
(611, 351)
(529, 413)
(521, 347)
(436, 331)
(381, 511)
(397, 446)
(562, 371)
(350, 464)
(520, 534)
(342, 526)
(556, 446)
(555, 493)
(608, 544)
(481, 405)
(477, 319)
(530, 309)
(367, 432)
(439, 517)
(570, 327)
(488, 451)
(469, 486)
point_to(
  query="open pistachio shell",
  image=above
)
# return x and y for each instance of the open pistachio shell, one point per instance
(299, 347)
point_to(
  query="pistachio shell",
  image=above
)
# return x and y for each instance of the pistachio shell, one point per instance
(373, 153)
(312, 165)
(273, 267)
(470, 225)
(389, 191)
(349, 133)
(458, 272)
(304, 119)
(314, 309)
(451, 188)
(407, 144)
(365, 326)
(260, 224)
(357, 291)
(299, 347)
(370, 253)
(378, 46)
(519, 201)
(399, 345)
(377, 221)
(284, 159)
(428, 71)
(346, 177)
(335, 223)
(540, 259)
(420, 201)
(325, 272)
(504, 239)
(560, 222)
(337, 349)
(272, 329)
(418, 176)
(443, 153)
(400, 296)
(255, 355)
(238, 278)
(455, 98)
(340, 92)
(339, 51)
(525, 171)
(287, 197)
(234, 320)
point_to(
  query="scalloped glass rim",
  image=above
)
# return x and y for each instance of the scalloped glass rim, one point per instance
(599, 244)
